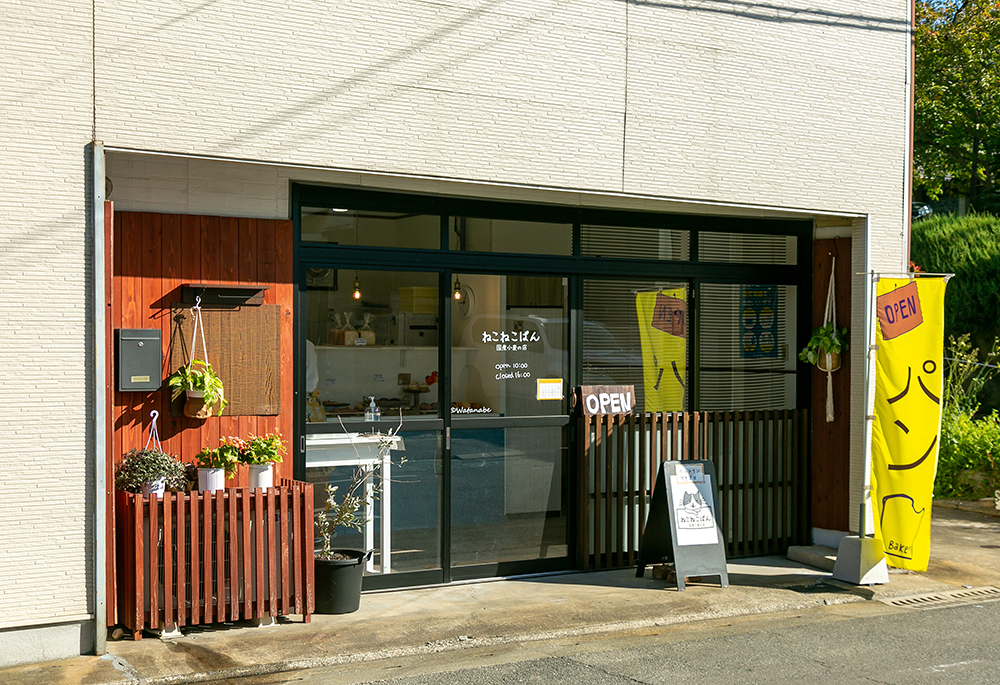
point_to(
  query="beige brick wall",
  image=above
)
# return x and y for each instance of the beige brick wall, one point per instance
(46, 117)
(793, 107)
(790, 107)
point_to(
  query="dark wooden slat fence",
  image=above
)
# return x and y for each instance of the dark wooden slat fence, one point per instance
(192, 558)
(760, 459)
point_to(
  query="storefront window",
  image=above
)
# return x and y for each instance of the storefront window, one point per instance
(362, 227)
(634, 242)
(501, 235)
(747, 248)
(374, 334)
(510, 360)
(747, 356)
(635, 333)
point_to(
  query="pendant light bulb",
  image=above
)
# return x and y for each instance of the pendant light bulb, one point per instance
(457, 294)
(357, 289)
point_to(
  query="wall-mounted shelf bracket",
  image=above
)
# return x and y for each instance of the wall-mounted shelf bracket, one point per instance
(215, 295)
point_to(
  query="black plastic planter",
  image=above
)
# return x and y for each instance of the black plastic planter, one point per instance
(338, 582)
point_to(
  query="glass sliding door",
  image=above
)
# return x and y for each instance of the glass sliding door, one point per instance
(374, 335)
(509, 418)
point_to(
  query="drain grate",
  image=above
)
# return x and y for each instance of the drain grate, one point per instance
(950, 598)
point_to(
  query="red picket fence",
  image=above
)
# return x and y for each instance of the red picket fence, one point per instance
(192, 558)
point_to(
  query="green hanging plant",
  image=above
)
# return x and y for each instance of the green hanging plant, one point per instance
(825, 340)
(140, 467)
(198, 376)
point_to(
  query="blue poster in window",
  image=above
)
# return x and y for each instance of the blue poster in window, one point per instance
(758, 321)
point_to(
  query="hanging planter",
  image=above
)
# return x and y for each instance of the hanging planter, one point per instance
(197, 380)
(825, 346)
(827, 343)
(150, 470)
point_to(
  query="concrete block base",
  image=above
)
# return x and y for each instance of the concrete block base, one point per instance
(861, 561)
(45, 643)
(817, 556)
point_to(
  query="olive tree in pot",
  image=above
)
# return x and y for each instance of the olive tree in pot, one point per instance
(339, 572)
(149, 471)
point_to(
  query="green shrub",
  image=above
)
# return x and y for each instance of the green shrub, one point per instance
(969, 458)
(969, 451)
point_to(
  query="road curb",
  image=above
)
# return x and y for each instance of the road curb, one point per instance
(837, 596)
(976, 506)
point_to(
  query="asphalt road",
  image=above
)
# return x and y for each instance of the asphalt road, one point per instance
(862, 642)
(866, 642)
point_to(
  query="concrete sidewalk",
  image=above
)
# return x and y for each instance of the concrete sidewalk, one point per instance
(434, 619)
(965, 551)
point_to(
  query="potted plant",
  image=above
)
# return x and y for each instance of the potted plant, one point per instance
(150, 472)
(339, 572)
(215, 465)
(825, 346)
(260, 453)
(202, 387)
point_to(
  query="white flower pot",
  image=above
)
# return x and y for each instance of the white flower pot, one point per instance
(261, 476)
(157, 487)
(211, 480)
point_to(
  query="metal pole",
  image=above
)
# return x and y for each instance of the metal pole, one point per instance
(869, 411)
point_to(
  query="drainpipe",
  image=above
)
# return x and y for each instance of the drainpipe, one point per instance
(99, 395)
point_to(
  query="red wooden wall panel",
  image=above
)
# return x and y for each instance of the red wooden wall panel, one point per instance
(154, 255)
(831, 442)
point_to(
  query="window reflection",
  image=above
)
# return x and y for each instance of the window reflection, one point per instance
(363, 227)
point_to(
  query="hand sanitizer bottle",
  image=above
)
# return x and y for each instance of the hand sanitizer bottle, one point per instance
(372, 412)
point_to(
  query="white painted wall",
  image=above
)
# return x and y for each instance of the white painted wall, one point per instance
(46, 118)
(789, 106)
(603, 102)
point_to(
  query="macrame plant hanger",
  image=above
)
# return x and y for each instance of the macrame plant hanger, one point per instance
(199, 327)
(830, 315)
(196, 408)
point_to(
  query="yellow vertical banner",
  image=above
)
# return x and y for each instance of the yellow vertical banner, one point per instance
(908, 385)
(663, 335)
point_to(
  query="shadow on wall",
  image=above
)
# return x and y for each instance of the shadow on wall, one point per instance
(771, 12)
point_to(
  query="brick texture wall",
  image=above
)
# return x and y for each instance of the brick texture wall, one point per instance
(776, 104)
(46, 115)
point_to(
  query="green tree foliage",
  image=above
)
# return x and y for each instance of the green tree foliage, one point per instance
(969, 247)
(957, 106)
